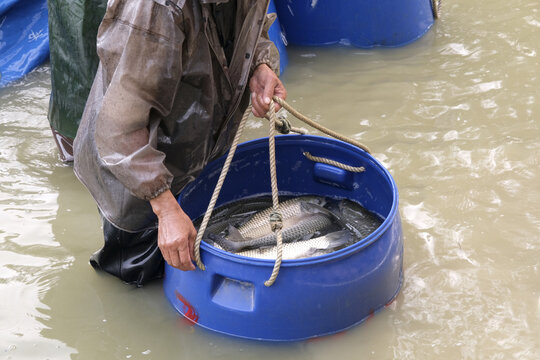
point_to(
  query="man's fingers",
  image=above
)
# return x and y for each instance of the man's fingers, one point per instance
(253, 105)
(257, 107)
(263, 107)
(174, 259)
(180, 259)
(268, 92)
(185, 260)
(264, 85)
(191, 245)
(179, 253)
(166, 256)
(281, 93)
(176, 238)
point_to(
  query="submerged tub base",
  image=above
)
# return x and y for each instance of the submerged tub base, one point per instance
(311, 297)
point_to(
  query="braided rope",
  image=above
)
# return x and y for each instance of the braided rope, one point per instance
(217, 189)
(318, 126)
(275, 217)
(334, 163)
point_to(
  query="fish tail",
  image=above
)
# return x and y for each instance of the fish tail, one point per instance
(233, 242)
(229, 245)
(339, 241)
(234, 234)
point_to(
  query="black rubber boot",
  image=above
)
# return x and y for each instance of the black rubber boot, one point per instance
(133, 257)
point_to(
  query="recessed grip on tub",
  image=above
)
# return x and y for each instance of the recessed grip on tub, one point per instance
(233, 294)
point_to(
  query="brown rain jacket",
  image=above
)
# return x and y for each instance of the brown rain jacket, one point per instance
(165, 100)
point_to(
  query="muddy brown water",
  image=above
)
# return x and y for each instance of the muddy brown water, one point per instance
(453, 116)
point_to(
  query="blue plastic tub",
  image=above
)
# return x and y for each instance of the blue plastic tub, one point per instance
(24, 38)
(278, 38)
(311, 297)
(361, 23)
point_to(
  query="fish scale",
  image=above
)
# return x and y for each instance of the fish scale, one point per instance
(259, 224)
(306, 225)
(303, 248)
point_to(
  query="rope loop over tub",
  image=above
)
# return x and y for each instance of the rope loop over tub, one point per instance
(217, 189)
(276, 222)
(277, 226)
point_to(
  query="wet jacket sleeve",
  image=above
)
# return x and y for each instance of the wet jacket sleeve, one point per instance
(139, 46)
(266, 51)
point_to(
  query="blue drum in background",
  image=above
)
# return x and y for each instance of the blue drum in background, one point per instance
(24, 37)
(361, 23)
(278, 38)
(311, 297)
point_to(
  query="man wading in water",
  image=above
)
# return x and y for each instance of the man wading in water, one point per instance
(172, 84)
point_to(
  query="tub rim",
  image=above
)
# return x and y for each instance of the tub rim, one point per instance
(336, 255)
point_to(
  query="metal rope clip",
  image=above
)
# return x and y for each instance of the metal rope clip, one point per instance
(276, 222)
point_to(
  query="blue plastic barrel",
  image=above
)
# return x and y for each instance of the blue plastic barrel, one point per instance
(24, 37)
(278, 38)
(362, 23)
(313, 296)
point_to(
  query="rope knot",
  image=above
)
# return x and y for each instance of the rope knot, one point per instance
(276, 222)
(285, 126)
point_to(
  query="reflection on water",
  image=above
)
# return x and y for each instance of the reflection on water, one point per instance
(453, 116)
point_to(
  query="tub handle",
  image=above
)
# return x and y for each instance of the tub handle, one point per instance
(232, 293)
(334, 163)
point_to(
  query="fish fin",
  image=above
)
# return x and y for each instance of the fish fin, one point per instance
(234, 234)
(354, 230)
(312, 199)
(337, 239)
(210, 239)
(217, 239)
(311, 208)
